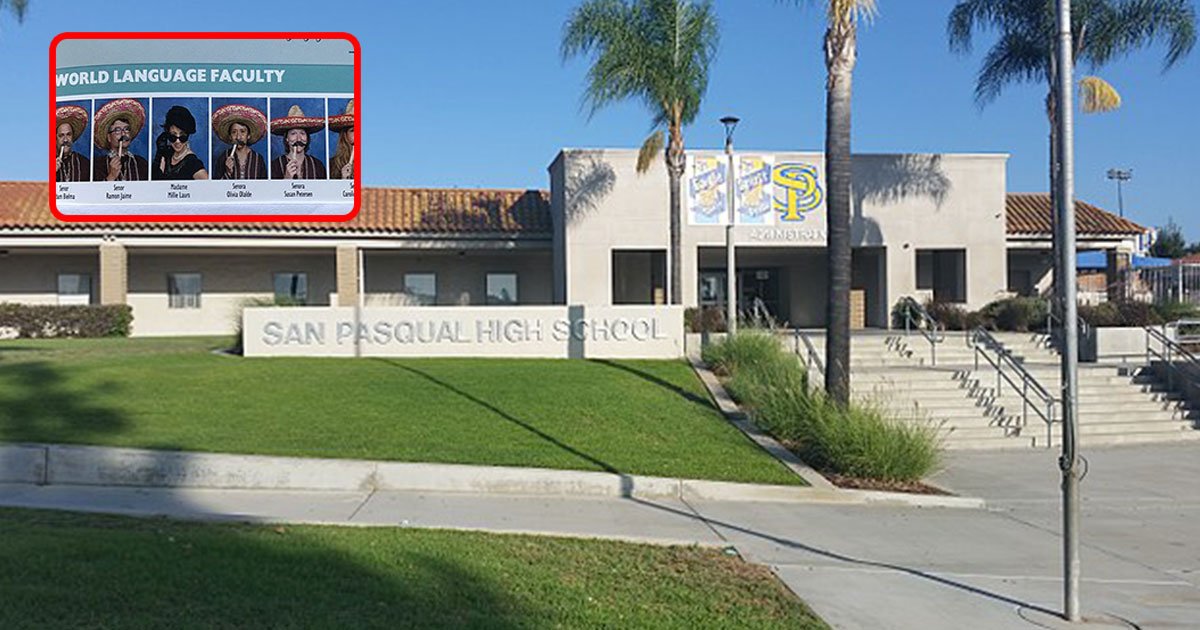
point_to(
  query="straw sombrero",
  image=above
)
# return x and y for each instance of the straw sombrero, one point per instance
(121, 108)
(73, 115)
(296, 119)
(225, 116)
(343, 121)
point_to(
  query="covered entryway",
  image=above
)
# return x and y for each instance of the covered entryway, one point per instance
(791, 284)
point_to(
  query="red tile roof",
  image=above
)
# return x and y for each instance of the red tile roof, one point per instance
(1029, 213)
(383, 210)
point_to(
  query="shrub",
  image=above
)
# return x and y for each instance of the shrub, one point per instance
(1175, 311)
(1017, 314)
(861, 440)
(704, 319)
(1127, 313)
(109, 320)
(239, 338)
(744, 348)
(864, 441)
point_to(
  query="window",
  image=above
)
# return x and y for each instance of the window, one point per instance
(501, 288)
(74, 288)
(639, 277)
(421, 288)
(183, 290)
(944, 271)
(291, 288)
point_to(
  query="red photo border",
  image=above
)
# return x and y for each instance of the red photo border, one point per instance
(209, 218)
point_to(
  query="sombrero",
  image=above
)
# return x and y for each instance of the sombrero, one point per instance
(225, 116)
(343, 121)
(73, 115)
(126, 108)
(296, 119)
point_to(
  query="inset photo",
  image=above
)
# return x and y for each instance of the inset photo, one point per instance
(121, 147)
(72, 122)
(298, 125)
(341, 163)
(180, 153)
(239, 138)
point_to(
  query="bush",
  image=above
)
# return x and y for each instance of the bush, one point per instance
(860, 441)
(1017, 314)
(239, 337)
(29, 321)
(744, 348)
(1175, 311)
(704, 319)
(1113, 314)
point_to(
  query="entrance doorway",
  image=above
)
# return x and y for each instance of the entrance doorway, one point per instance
(757, 287)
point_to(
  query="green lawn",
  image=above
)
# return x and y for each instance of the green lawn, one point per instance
(61, 570)
(634, 417)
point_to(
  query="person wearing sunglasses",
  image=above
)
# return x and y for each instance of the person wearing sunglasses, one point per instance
(175, 159)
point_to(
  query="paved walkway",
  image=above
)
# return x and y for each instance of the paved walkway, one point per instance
(857, 566)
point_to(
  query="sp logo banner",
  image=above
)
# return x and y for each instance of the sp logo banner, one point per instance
(797, 190)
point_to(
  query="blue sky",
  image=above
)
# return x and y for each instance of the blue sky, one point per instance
(468, 93)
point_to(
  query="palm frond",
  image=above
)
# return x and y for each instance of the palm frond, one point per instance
(845, 11)
(652, 147)
(656, 51)
(1120, 27)
(16, 7)
(1097, 96)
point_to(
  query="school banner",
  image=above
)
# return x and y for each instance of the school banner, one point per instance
(211, 126)
(706, 191)
(753, 190)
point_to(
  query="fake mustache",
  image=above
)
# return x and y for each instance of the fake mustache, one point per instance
(298, 144)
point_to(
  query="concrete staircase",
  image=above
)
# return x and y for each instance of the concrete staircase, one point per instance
(1118, 404)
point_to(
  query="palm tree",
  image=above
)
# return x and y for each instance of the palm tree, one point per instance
(1102, 31)
(841, 53)
(658, 52)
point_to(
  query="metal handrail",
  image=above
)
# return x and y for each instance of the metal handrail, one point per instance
(810, 356)
(1085, 329)
(981, 340)
(929, 327)
(1171, 347)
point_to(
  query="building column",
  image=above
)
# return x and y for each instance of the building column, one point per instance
(1115, 268)
(347, 275)
(114, 273)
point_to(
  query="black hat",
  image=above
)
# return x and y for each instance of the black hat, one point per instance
(182, 118)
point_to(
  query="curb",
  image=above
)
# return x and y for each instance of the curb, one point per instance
(739, 419)
(53, 464)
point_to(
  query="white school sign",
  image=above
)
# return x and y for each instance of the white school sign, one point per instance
(609, 332)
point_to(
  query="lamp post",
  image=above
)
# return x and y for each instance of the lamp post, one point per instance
(1121, 175)
(1068, 462)
(731, 296)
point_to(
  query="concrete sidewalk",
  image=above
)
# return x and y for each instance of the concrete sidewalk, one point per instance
(857, 566)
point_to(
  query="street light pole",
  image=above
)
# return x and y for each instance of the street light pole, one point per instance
(1122, 176)
(731, 297)
(1068, 462)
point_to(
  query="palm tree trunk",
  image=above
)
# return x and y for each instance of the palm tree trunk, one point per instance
(839, 59)
(675, 164)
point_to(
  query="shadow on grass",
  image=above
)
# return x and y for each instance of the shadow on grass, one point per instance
(124, 572)
(37, 404)
(603, 465)
(658, 381)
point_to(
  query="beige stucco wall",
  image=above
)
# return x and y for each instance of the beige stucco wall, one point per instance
(31, 277)
(227, 280)
(461, 278)
(902, 203)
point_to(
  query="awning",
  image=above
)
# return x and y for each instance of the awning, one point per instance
(1099, 260)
